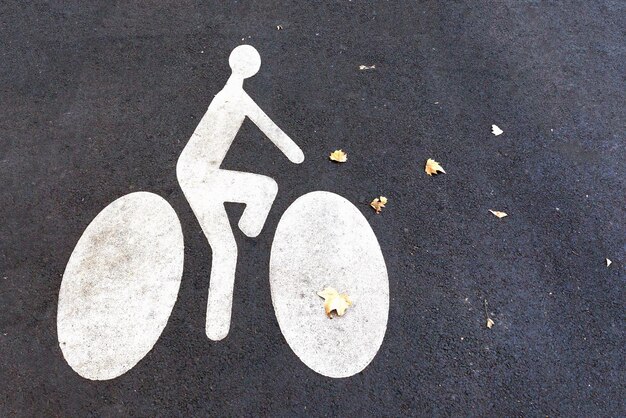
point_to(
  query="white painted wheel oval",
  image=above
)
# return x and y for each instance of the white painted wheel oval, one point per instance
(120, 285)
(324, 240)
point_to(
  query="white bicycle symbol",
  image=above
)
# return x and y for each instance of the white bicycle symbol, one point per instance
(123, 277)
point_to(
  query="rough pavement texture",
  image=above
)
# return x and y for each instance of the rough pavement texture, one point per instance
(99, 98)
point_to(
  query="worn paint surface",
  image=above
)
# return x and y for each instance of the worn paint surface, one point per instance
(324, 240)
(120, 285)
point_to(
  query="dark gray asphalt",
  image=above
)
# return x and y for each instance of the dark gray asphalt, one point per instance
(98, 99)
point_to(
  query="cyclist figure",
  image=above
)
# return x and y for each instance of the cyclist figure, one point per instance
(206, 186)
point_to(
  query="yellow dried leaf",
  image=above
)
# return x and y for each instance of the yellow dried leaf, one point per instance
(333, 301)
(379, 203)
(338, 156)
(498, 213)
(432, 167)
(490, 323)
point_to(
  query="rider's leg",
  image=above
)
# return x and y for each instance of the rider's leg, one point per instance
(255, 190)
(206, 195)
(216, 226)
(221, 286)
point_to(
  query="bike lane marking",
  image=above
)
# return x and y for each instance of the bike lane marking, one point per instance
(122, 279)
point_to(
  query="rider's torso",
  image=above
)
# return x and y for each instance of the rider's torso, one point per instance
(217, 129)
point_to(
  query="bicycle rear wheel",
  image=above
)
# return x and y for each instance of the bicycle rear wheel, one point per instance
(323, 240)
(120, 285)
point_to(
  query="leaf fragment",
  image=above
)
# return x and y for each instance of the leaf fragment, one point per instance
(496, 130)
(333, 301)
(433, 167)
(498, 213)
(608, 262)
(338, 156)
(379, 203)
(490, 322)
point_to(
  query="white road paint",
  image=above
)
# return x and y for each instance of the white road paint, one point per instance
(323, 240)
(122, 279)
(206, 186)
(120, 286)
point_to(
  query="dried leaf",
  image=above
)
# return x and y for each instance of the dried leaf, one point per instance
(432, 167)
(338, 156)
(496, 130)
(608, 262)
(490, 322)
(367, 67)
(333, 301)
(498, 213)
(379, 203)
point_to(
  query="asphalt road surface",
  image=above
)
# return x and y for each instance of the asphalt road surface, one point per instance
(98, 99)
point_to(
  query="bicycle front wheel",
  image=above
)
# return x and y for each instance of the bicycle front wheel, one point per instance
(323, 240)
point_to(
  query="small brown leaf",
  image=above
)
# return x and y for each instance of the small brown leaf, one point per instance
(379, 203)
(333, 301)
(490, 322)
(338, 156)
(498, 213)
(432, 167)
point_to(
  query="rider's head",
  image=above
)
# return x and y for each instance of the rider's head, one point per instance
(245, 61)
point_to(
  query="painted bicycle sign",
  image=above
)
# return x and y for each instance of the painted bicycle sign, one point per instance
(122, 279)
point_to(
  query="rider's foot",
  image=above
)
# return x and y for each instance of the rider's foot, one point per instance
(254, 215)
(251, 231)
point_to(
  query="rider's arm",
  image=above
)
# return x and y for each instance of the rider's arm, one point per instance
(273, 132)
